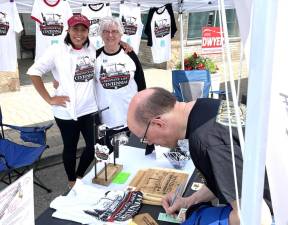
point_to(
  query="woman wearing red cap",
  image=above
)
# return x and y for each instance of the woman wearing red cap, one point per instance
(74, 102)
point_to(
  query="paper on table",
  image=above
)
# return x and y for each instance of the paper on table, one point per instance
(121, 178)
(168, 218)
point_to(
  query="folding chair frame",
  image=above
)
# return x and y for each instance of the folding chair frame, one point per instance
(7, 176)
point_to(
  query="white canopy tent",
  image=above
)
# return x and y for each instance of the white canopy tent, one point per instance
(269, 121)
(25, 6)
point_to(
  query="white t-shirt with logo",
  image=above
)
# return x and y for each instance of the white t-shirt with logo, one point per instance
(75, 72)
(51, 18)
(10, 24)
(161, 37)
(94, 12)
(130, 16)
(116, 85)
(84, 82)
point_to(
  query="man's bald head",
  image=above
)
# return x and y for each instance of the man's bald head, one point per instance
(150, 103)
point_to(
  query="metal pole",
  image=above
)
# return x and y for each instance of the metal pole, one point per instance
(180, 5)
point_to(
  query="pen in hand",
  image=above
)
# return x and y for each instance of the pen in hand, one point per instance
(177, 193)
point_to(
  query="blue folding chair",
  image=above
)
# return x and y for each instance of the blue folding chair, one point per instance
(16, 158)
(190, 85)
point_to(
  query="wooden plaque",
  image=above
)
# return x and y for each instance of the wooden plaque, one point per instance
(157, 182)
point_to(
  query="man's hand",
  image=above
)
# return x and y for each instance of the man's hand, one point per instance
(202, 195)
(179, 203)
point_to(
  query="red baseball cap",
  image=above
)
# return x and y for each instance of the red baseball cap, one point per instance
(78, 19)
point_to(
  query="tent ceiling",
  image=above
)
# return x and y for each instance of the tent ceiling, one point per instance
(25, 6)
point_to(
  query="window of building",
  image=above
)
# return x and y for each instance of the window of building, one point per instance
(197, 20)
(144, 17)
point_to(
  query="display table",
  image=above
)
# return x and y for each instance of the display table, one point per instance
(132, 160)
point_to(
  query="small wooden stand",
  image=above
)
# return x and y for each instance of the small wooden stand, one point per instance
(112, 169)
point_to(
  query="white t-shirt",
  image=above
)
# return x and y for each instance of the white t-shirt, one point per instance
(75, 72)
(94, 12)
(10, 24)
(51, 18)
(161, 36)
(115, 85)
(84, 197)
(130, 16)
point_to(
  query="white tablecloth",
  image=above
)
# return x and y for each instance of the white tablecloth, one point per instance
(134, 159)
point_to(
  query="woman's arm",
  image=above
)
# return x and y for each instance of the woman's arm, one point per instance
(41, 89)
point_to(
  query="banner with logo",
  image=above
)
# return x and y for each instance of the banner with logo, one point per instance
(211, 40)
(17, 202)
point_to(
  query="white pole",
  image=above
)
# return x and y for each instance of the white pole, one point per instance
(180, 4)
(258, 108)
(240, 71)
(231, 75)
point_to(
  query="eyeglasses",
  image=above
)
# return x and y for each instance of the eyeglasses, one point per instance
(113, 32)
(144, 139)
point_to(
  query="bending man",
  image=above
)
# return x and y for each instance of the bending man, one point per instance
(155, 116)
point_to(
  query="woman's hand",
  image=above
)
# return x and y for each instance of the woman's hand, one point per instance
(127, 48)
(59, 100)
(55, 84)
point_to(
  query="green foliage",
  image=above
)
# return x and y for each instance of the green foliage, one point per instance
(197, 62)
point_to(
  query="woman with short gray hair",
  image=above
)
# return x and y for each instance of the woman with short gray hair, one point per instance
(110, 21)
(119, 77)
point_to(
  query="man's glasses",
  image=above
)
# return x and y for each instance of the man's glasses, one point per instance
(144, 140)
(113, 32)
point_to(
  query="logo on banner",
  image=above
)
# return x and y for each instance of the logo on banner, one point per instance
(211, 40)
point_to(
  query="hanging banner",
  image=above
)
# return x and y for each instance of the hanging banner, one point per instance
(211, 40)
(17, 202)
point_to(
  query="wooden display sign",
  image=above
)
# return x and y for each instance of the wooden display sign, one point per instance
(111, 172)
(143, 219)
(157, 182)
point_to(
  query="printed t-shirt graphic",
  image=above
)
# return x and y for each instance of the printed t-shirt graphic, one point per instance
(84, 69)
(223, 114)
(83, 80)
(9, 25)
(94, 12)
(114, 75)
(160, 28)
(117, 206)
(51, 23)
(130, 16)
